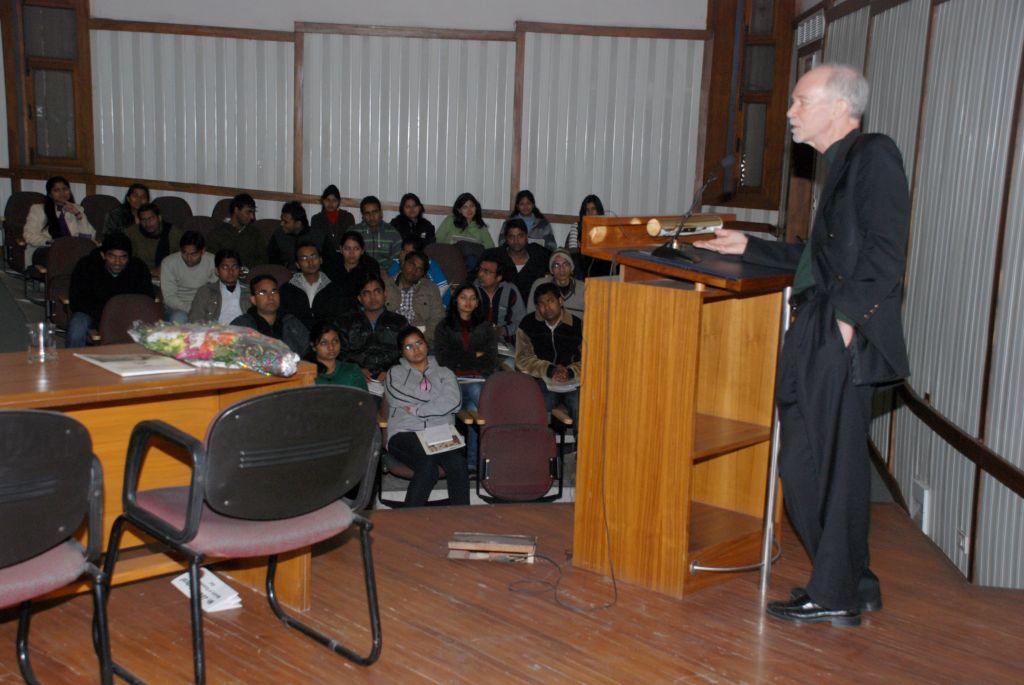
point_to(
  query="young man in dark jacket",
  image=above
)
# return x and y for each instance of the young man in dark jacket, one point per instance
(370, 336)
(107, 271)
(549, 347)
(263, 316)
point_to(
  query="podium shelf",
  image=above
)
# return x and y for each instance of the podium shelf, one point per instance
(715, 435)
(714, 528)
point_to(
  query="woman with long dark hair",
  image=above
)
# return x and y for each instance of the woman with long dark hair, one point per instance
(538, 229)
(348, 269)
(332, 219)
(420, 393)
(467, 343)
(586, 266)
(410, 222)
(325, 351)
(127, 214)
(466, 222)
(57, 217)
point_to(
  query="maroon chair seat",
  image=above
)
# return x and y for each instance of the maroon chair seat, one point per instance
(222, 210)
(41, 574)
(173, 209)
(64, 255)
(238, 538)
(281, 274)
(121, 311)
(451, 261)
(203, 225)
(272, 476)
(97, 207)
(15, 214)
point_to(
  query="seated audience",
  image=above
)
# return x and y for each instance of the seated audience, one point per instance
(420, 393)
(298, 294)
(537, 226)
(238, 233)
(57, 217)
(152, 237)
(105, 272)
(549, 348)
(264, 316)
(369, 336)
(560, 268)
(332, 219)
(501, 303)
(381, 241)
(127, 214)
(325, 342)
(465, 224)
(529, 260)
(410, 222)
(415, 297)
(466, 343)
(294, 229)
(434, 273)
(347, 271)
(183, 273)
(224, 300)
(586, 266)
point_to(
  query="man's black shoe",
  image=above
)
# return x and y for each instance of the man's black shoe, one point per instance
(865, 605)
(803, 610)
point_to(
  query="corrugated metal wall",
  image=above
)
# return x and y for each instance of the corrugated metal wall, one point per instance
(1000, 543)
(963, 156)
(386, 116)
(613, 116)
(895, 68)
(205, 110)
(846, 38)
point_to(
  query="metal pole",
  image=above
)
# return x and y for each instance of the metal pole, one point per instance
(773, 465)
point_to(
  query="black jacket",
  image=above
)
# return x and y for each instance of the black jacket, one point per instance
(859, 245)
(536, 266)
(422, 229)
(92, 285)
(450, 353)
(540, 349)
(333, 231)
(282, 245)
(371, 347)
(286, 328)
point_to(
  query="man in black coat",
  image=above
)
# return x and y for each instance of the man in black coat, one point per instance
(846, 338)
(107, 271)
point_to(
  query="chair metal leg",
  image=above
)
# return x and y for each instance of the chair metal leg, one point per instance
(24, 618)
(195, 601)
(371, 600)
(101, 634)
(109, 561)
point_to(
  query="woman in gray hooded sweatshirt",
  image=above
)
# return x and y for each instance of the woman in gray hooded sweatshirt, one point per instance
(421, 393)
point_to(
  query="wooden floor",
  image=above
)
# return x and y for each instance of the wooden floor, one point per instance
(447, 621)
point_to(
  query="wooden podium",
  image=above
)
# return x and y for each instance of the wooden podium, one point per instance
(676, 409)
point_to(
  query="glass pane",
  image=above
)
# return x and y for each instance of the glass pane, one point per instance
(54, 112)
(50, 32)
(752, 160)
(761, 18)
(757, 72)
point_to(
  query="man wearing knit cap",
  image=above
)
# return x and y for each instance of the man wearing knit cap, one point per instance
(560, 267)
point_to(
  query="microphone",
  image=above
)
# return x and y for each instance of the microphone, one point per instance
(672, 249)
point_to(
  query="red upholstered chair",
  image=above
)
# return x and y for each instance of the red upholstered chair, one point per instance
(120, 312)
(518, 458)
(97, 207)
(201, 224)
(281, 274)
(222, 210)
(15, 213)
(174, 209)
(64, 255)
(451, 261)
(269, 478)
(49, 482)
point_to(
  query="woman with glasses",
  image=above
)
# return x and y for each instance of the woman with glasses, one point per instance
(325, 348)
(420, 393)
(560, 272)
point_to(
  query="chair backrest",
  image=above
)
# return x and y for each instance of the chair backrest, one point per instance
(96, 208)
(200, 223)
(45, 466)
(222, 210)
(64, 255)
(290, 452)
(517, 448)
(266, 228)
(173, 209)
(281, 274)
(121, 311)
(450, 259)
(16, 210)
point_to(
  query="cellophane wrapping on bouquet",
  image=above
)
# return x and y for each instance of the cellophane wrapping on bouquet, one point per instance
(230, 347)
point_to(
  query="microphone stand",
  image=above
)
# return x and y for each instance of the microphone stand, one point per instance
(671, 249)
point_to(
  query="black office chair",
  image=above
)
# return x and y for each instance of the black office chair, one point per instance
(270, 478)
(49, 482)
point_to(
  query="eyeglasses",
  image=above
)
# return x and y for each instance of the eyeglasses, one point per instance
(307, 257)
(266, 293)
(414, 345)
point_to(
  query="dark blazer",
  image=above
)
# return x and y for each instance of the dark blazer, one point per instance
(859, 245)
(450, 353)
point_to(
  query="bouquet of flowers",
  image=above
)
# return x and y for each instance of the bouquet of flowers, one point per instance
(231, 347)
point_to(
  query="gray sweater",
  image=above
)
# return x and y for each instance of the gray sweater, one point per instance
(433, 407)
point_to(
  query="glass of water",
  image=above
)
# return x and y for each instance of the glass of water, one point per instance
(42, 343)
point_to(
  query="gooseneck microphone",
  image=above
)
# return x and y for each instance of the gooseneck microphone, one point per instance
(672, 249)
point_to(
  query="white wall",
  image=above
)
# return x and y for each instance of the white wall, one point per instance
(463, 14)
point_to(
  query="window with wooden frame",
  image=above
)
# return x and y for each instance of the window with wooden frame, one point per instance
(49, 101)
(747, 101)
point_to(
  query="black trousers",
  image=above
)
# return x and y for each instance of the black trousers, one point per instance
(824, 461)
(407, 449)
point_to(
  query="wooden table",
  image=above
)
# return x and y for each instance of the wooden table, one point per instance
(110, 406)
